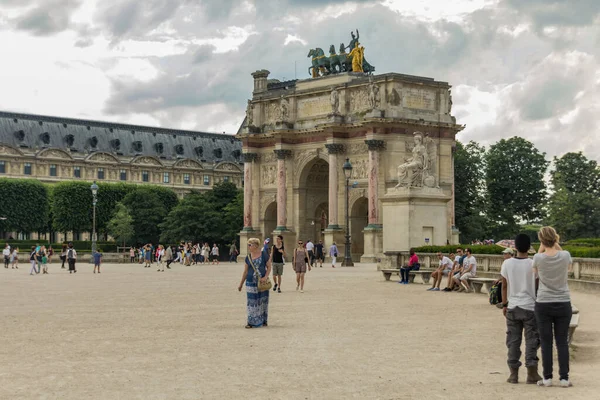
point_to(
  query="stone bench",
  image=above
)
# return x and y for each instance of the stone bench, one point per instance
(479, 283)
(573, 325)
(387, 273)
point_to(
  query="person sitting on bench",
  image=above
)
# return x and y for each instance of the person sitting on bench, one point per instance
(413, 264)
(444, 268)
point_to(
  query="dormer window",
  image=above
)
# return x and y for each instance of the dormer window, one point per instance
(115, 144)
(45, 138)
(218, 153)
(179, 150)
(70, 139)
(93, 142)
(137, 146)
(159, 148)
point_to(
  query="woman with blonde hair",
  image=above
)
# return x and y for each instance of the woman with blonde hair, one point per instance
(257, 267)
(553, 304)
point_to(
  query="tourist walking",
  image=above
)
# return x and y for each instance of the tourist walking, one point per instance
(310, 248)
(147, 256)
(71, 258)
(6, 254)
(132, 254)
(215, 254)
(277, 260)
(413, 263)
(299, 262)
(257, 267)
(333, 253)
(33, 261)
(44, 257)
(518, 290)
(159, 258)
(553, 309)
(97, 261)
(233, 253)
(319, 255)
(169, 256)
(63, 256)
(15, 258)
(50, 253)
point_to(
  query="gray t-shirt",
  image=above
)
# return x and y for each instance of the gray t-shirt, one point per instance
(553, 273)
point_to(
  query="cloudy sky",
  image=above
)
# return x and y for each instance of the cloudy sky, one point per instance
(518, 67)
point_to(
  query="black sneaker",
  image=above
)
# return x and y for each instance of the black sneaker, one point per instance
(275, 287)
(278, 290)
(445, 290)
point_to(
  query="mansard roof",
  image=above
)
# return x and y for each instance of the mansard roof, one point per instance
(36, 132)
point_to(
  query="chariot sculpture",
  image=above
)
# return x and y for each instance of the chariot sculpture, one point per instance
(354, 61)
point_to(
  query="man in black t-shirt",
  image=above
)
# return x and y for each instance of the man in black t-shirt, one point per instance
(277, 260)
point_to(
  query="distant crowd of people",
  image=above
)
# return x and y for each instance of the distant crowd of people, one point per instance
(185, 253)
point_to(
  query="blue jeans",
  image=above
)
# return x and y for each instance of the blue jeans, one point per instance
(404, 272)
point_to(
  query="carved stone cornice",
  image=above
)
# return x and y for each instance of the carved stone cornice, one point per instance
(282, 154)
(249, 157)
(375, 145)
(333, 148)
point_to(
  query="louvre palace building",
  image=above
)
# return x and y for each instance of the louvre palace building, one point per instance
(53, 149)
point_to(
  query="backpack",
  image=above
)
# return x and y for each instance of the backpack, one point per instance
(496, 293)
(70, 254)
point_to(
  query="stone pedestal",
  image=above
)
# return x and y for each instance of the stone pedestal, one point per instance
(373, 236)
(412, 215)
(244, 236)
(375, 113)
(337, 236)
(455, 240)
(335, 118)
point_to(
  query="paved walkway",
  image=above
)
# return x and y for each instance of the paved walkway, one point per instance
(134, 333)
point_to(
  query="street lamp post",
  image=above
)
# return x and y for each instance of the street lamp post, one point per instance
(347, 253)
(94, 189)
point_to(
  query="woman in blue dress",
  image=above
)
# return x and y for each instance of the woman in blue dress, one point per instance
(258, 302)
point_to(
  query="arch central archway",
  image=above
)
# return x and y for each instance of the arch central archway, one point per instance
(312, 199)
(270, 219)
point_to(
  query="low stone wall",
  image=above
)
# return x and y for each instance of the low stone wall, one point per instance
(586, 269)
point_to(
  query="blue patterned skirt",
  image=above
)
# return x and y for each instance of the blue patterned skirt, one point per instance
(258, 305)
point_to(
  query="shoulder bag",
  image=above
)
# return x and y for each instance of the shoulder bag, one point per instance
(262, 287)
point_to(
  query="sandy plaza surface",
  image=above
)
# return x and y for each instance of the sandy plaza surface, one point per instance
(135, 333)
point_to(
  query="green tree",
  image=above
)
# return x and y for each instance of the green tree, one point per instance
(120, 226)
(515, 183)
(148, 211)
(469, 190)
(233, 220)
(109, 194)
(25, 204)
(574, 206)
(72, 206)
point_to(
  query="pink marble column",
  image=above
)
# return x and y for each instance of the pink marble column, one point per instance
(334, 150)
(248, 160)
(374, 147)
(281, 189)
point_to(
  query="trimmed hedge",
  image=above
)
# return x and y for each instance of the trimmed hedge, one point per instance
(575, 250)
(79, 245)
(590, 242)
(476, 249)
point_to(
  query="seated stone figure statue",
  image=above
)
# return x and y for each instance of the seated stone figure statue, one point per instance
(416, 164)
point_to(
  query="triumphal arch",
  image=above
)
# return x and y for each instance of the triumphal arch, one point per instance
(398, 133)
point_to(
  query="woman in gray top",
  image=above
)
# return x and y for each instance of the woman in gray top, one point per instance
(553, 304)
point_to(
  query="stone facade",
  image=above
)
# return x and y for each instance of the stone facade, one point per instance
(55, 149)
(297, 135)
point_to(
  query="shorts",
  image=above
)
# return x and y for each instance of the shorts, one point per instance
(277, 268)
(214, 257)
(446, 272)
(466, 276)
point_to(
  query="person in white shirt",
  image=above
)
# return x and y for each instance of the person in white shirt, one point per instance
(6, 254)
(469, 270)
(160, 254)
(518, 287)
(310, 248)
(444, 268)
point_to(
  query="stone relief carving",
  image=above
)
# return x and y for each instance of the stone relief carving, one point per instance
(373, 95)
(271, 112)
(357, 148)
(301, 157)
(449, 102)
(359, 100)
(268, 174)
(147, 161)
(419, 169)
(228, 167)
(188, 164)
(55, 154)
(268, 157)
(360, 169)
(334, 98)
(5, 150)
(102, 158)
(284, 108)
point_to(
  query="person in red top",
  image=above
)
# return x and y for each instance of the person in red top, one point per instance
(413, 263)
